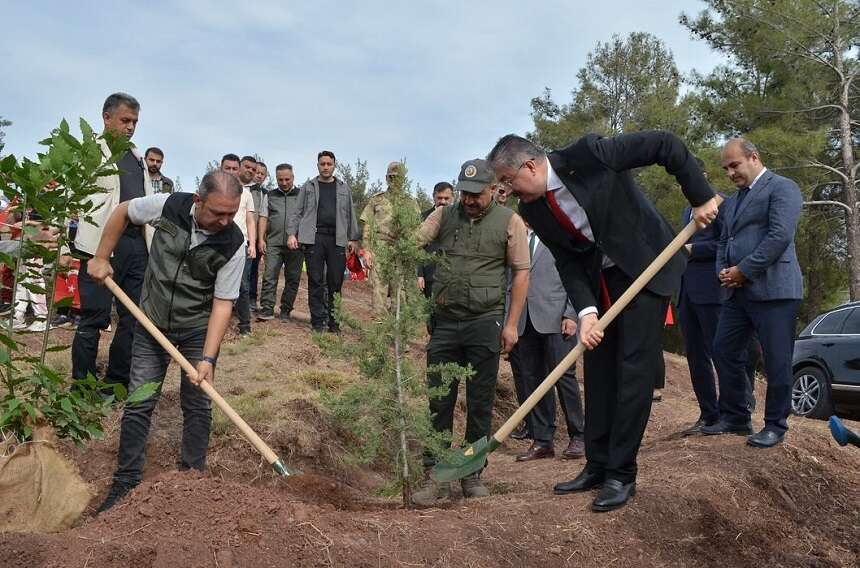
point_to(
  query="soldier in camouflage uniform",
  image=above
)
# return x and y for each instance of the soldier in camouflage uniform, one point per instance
(375, 223)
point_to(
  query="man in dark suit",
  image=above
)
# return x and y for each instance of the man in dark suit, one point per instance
(547, 331)
(585, 207)
(699, 303)
(757, 266)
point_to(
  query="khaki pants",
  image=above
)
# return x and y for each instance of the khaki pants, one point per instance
(379, 296)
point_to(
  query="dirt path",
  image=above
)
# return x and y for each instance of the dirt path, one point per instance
(700, 501)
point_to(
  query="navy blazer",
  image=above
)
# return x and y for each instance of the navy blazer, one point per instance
(758, 238)
(699, 281)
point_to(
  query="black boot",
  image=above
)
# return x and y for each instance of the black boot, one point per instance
(118, 490)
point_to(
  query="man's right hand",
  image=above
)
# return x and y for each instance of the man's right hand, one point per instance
(421, 283)
(261, 247)
(589, 336)
(292, 242)
(705, 213)
(99, 269)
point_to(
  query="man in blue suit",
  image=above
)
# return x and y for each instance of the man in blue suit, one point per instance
(699, 304)
(758, 269)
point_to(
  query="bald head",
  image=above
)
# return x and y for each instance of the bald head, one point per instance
(221, 183)
(741, 161)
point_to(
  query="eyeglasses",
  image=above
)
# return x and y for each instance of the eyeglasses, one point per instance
(507, 185)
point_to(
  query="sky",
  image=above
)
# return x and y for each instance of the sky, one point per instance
(433, 82)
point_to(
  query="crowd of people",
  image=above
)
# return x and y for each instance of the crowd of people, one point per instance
(526, 285)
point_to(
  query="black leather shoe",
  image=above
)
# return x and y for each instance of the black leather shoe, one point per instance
(696, 428)
(521, 433)
(723, 427)
(583, 482)
(765, 439)
(613, 495)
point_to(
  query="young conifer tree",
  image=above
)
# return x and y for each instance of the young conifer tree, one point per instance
(387, 409)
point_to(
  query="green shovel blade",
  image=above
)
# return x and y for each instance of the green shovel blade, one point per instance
(467, 462)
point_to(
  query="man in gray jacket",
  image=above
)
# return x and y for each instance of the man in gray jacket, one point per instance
(547, 331)
(324, 225)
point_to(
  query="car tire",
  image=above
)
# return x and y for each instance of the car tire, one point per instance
(810, 394)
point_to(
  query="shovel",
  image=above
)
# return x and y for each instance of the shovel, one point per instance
(189, 369)
(473, 458)
(843, 435)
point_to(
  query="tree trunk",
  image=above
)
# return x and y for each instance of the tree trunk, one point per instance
(849, 192)
(401, 400)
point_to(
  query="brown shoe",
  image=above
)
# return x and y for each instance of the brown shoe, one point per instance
(575, 449)
(536, 452)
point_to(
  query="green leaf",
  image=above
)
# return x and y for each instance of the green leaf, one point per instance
(142, 393)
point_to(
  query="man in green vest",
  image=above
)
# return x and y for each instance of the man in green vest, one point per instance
(193, 276)
(275, 210)
(477, 239)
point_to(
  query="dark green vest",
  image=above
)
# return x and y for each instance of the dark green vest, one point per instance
(471, 282)
(180, 283)
(281, 206)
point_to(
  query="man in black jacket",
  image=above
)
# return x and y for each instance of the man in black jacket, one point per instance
(584, 205)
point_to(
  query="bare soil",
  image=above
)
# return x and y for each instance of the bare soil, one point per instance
(699, 502)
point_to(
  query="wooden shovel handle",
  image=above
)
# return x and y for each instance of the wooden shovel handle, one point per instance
(189, 369)
(658, 263)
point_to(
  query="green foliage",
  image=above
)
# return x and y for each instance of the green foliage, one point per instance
(58, 185)
(388, 409)
(357, 180)
(3, 125)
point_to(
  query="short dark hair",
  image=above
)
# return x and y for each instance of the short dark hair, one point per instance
(442, 186)
(262, 163)
(512, 150)
(229, 158)
(283, 166)
(217, 181)
(154, 150)
(249, 159)
(328, 153)
(113, 102)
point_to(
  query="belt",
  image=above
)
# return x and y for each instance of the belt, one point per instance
(326, 230)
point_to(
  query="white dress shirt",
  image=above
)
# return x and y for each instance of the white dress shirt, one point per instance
(574, 211)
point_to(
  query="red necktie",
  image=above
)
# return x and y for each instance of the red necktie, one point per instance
(567, 225)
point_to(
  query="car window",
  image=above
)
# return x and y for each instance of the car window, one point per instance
(832, 323)
(852, 324)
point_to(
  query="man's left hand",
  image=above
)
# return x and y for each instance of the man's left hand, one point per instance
(732, 277)
(352, 247)
(205, 372)
(705, 213)
(509, 338)
(568, 328)
(252, 251)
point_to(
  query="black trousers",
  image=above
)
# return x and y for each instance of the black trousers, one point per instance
(532, 359)
(619, 382)
(773, 321)
(291, 261)
(129, 266)
(150, 366)
(255, 279)
(471, 342)
(325, 262)
(698, 327)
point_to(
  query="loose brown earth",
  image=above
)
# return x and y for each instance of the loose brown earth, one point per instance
(700, 502)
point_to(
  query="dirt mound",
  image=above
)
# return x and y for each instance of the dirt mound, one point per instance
(700, 501)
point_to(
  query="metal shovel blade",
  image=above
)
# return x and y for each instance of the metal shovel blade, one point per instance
(843, 435)
(467, 462)
(282, 470)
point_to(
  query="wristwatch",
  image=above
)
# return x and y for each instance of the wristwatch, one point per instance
(210, 360)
